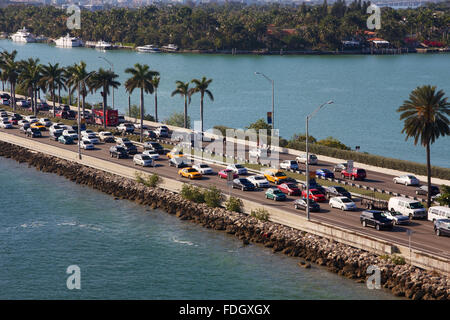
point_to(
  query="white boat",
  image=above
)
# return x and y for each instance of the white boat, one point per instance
(103, 45)
(148, 48)
(170, 48)
(22, 35)
(68, 42)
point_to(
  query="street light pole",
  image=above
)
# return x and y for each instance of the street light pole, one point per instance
(112, 69)
(307, 155)
(273, 96)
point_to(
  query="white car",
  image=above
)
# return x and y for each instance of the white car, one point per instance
(152, 154)
(92, 138)
(143, 160)
(56, 127)
(71, 133)
(22, 122)
(203, 168)
(342, 203)
(121, 140)
(162, 132)
(237, 168)
(106, 136)
(31, 119)
(87, 132)
(144, 126)
(289, 164)
(86, 145)
(302, 159)
(45, 121)
(126, 127)
(407, 180)
(259, 181)
(396, 217)
(5, 125)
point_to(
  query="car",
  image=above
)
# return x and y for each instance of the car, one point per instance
(64, 139)
(120, 140)
(339, 167)
(56, 127)
(45, 121)
(162, 132)
(31, 119)
(86, 132)
(259, 181)
(126, 127)
(149, 134)
(396, 217)
(65, 107)
(143, 160)
(3, 114)
(16, 115)
(356, 174)
(23, 121)
(190, 173)
(71, 133)
(291, 189)
(151, 154)
(86, 144)
(38, 125)
(129, 147)
(174, 153)
(438, 212)
(13, 120)
(289, 165)
(275, 176)
(106, 136)
(302, 159)
(343, 203)
(6, 125)
(442, 227)
(21, 103)
(407, 207)
(237, 168)
(4, 119)
(92, 138)
(42, 106)
(5, 102)
(138, 126)
(120, 119)
(324, 173)
(315, 194)
(154, 146)
(181, 162)
(5, 96)
(118, 152)
(423, 190)
(275, 194)
(376, 219)
(223, 174)
(203, 168)
(301, 204)
(244, 184)
(336, 191)
(33, 133)
(407, 180)
(23, 128)
(55, 134)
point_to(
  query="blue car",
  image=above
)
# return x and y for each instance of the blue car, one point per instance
(65, 139)
(324, 173)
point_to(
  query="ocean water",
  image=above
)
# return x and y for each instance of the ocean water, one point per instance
(128, 251)
(366, 90)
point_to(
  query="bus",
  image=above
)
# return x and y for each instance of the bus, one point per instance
(112, 117)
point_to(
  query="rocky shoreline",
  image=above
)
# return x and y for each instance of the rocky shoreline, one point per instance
(402, 279)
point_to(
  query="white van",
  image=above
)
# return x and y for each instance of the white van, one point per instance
(438, 212)
(407, 207)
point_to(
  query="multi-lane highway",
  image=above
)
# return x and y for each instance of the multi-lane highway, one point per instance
(423, 237)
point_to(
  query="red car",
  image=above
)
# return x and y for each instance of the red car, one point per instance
(356, 174)
(315, 194)
(224, 174)
(13, 121)
(290, 189)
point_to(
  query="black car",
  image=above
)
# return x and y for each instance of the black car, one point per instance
(54, 135)
(376, 219)
(423, 190)
(339, 167)
(154, 146)
(5, 96)
(337, 191)
(118, 152)
(129, 147)
(16, 116)
(24, 127)
(301, 204)
(243, 184)
(149, 134)
(178, 162)
(33, 133)
(442, 227)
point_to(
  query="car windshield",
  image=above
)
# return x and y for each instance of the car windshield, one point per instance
(244, 181)
(346, 200)
(279, 174)
(71, 131)
(120, 149)
(258, 178)
(107, 133)
(395, 213)
(292, 162)
(203, 166)
(360, 171)
(378, 215)
(411, 177)
(315, 192)
(191, 170)
(340, 189)
(313, 157)
(146, 158)
(128, 144)
(291, 186)
(92, 136)
(415, 205)
(238, 166)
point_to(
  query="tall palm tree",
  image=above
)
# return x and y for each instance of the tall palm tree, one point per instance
(155, 83)
(29, 77)
(75, 74)
(184, 91)
(141, 77)
(425, 118)
(52, 78)
(201, 86)
(10, 72)
(103, 79)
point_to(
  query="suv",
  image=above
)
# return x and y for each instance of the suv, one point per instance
(356, 174)
(339, 167)
(442, 227)
(118, 152)
(162, 132)
(376, 219)
(180, 162)
(126, 127)
(154, 146)
(106, 136)
(302, 159)
(129, 147)
(33, 133)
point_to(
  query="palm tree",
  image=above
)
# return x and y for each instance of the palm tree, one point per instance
(425, 118)
(52, 78)
(184, 91)
(10, 72)
(29, 77)
(103, 79)
(201, 86)
(141, 77)
(75, 78)
(155, 83)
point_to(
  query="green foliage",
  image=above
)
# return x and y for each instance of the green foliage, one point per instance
(134, 112)
(234, 204)
(260, 214)
(444, 198)
(260, 124)
(301, 138)
(213, 197)
(333, 143)
(396, 259)
(192, 193)
(149, 180)
(177, 119)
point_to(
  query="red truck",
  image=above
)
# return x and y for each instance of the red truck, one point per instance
(356, 174)
(112, 117)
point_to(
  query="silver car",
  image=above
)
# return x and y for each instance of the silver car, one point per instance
(396, 217)
(407, 180)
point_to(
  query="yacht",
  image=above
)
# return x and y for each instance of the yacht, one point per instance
(103, 45)
(22, 35)
(148, 48)
(68, 42)
(170, 48)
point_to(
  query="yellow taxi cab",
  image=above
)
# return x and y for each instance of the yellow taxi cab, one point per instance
(275, 176)
(37, 125)
(190, 173)
(175, 154)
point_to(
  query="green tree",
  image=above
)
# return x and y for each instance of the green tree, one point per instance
(10, 72)
(444, 198)
(333, 143)
(29, 77)
(177, 119)
(425, 117)
(52, 78)
(201, 86)
(103, 79)
(76, 79)
(184, 91)
(155, 83)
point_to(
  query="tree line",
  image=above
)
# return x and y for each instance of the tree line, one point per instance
(233, 25)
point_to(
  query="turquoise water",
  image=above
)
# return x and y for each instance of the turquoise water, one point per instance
(126, 251)
(366, 91)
